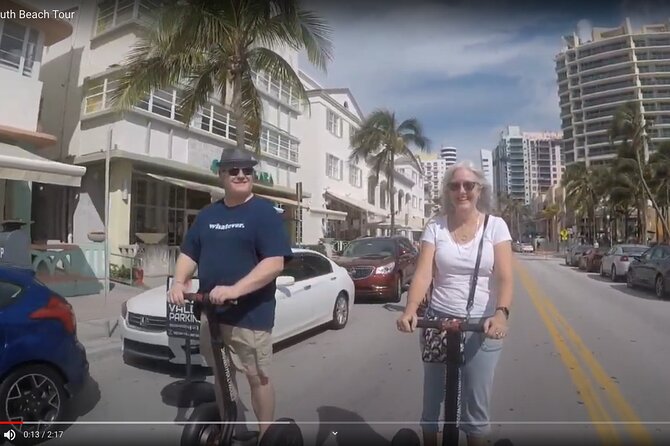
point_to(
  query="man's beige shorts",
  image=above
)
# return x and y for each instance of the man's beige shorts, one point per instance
(249, 350)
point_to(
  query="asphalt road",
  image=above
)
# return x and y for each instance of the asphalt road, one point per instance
(585, 360)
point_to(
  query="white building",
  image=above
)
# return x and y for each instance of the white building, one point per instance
(598, 71)
(486, 163)
(449, 154)
(526, 165)
(161, 170)
(338, 207)
(346, 200)
(434, 169)
(26, 150)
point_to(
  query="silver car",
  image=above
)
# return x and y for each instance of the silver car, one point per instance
(616, 260)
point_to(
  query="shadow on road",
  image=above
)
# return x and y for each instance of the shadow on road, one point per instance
(394, 307)
(84, 401)
(334, 419)
(636, 292)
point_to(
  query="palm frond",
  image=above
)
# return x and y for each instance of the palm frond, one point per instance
(252, 110)
(263, 59)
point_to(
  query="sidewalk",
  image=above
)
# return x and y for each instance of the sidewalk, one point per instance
(97, 316)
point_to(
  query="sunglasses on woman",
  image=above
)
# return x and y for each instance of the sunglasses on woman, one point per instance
(467, 185)
(235, 171)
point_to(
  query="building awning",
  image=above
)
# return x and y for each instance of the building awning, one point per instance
(215, 191)
(330, 214)
(186, 184)
(355, 203)
(20, 164)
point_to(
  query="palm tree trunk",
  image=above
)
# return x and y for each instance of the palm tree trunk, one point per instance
(391, 193)
(238, 114)
(650, 196)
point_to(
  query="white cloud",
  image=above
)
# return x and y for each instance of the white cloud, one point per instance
(414, 62)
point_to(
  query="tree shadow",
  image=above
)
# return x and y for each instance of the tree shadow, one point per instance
(638, 292)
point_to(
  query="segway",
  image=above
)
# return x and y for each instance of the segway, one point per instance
(452, 384)
(210, 426)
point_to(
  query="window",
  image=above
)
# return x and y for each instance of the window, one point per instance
(334, 123)
(355, 176)
(113, 13)
(316, 266)
(334, 167)
(414, 201)
(8, 293)
(19, 47)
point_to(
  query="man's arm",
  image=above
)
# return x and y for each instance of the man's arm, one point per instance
(265, 272)
(184, 269)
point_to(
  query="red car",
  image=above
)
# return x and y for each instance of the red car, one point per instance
(591, 259)
(381, 267)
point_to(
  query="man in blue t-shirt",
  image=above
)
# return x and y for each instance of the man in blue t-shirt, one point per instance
(239, 246)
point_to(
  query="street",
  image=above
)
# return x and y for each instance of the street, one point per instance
(580, 349)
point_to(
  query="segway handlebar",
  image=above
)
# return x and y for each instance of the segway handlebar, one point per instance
(204, 298)
(449, 325)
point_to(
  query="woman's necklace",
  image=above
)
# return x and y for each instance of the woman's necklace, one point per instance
(466, 235)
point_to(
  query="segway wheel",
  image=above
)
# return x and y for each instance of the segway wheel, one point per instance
(406, 437)
(202, 434)
(284, 432)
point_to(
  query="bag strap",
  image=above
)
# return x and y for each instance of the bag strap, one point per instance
(475, 276)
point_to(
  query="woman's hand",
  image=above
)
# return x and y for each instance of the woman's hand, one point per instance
(496, 327)
(407, 322)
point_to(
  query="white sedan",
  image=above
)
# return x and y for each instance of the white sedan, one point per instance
(312, 291)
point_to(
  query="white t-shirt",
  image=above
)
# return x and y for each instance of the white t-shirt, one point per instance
(454, 267)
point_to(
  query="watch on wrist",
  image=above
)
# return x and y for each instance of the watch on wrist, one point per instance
(505, 311)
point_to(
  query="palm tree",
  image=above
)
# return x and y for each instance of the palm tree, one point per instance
(380, 140)
(212, 48)
(549, 214)
(659, 162)
(582, 192)
(630, 127)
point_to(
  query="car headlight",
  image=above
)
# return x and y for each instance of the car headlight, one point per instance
(385, 269)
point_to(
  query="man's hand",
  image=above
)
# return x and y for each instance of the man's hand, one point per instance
(176, 294)
(222, 293)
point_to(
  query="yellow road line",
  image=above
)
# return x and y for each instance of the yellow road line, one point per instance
(616, 398)
(594, 407)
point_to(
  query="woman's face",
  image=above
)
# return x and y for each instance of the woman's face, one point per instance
(464, 189)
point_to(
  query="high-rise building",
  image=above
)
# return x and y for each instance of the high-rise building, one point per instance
(526, 165)
(449, 154)
(598, 71)
(434, 169)
(486, 160)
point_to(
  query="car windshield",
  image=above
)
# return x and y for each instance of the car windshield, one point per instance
(360, 248)
(634, 250)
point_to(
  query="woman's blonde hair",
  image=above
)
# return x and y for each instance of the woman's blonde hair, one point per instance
(485, 194)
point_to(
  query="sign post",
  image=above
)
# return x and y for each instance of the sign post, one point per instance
(182, 323)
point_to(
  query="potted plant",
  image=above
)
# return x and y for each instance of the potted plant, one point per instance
(96, 236)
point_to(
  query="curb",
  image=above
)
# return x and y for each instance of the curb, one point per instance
(102, 349)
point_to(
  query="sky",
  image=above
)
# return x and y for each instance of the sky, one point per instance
(464, 68)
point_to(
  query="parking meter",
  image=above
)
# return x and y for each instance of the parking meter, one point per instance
(14, 245)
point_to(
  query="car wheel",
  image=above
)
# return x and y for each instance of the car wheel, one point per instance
(629, 279)
(613, 275)
(660, 287)
(398, 289)
(34, 392)
(340, 312)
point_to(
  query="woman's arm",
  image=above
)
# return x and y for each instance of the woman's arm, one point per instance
(421, 279)
(503, 273)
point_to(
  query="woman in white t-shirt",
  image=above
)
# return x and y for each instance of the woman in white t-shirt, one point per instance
(448, 254)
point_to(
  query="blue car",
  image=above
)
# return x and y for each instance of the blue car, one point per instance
(42, 364)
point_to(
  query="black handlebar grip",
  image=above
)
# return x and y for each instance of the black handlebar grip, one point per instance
(449, 325)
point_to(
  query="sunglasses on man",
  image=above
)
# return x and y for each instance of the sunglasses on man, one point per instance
(235, 171)
(467, 185)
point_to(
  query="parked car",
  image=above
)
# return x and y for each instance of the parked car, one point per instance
(615, 262)
(574, 253)
(651, 270)
(312, 291)
(591, 259)
(42, 363)
(381, 267)
(527, 247)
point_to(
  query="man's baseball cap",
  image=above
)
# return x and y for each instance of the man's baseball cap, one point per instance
(235, 157)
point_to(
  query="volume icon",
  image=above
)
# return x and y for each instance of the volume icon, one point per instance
(10, 435)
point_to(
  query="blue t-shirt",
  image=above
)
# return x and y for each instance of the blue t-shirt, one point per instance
(227, 243)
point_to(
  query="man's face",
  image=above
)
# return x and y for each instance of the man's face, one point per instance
(237, 180)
